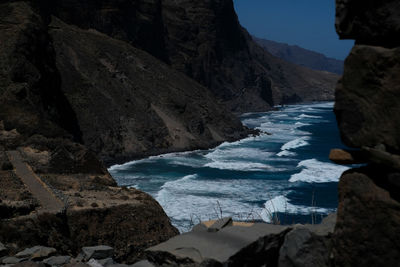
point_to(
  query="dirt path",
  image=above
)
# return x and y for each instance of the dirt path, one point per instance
(48, 201)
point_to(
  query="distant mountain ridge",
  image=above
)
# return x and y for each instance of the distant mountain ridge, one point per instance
(301, 56)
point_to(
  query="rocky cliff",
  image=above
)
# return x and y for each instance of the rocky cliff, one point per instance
(88, 82)
(301, 56)
(204, 40)
(121, 102)
(367, 108)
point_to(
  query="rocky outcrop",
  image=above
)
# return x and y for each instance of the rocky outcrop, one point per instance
(205, 41)
(371, 95)
(86, 87)
(301, 56)
(367, 111)
(129, 104)
(367, 230)
(370, 22)
(227, 243)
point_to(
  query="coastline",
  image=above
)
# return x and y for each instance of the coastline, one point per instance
(251, 132)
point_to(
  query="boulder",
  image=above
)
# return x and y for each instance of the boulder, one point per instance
(3, 250)
(341, 156)
(98, 252)
(12, 260)
(94, 263)
(369, 22)
(57, 260)
(253, 245)
(144, 263)
(106, 262)
(219, 224)
(308, 245)
(368, 222)
(367, 99)
(36, 252)
(30, 264)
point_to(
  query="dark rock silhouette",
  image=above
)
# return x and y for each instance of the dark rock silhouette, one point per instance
(367, 110)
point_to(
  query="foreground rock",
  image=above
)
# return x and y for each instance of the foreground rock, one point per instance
(98, 252)
(367, 110)
(371, 96)
(368, 205)
(36, 253)
(242, 246)
(308, 245)
(227, 243)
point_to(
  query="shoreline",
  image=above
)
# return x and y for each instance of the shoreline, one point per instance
(252, 132)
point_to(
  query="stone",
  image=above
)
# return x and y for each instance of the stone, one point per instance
(3, 250)
(36, 252)
(144, 263)
(13, 260)
(106, 262)
(199, 228)
(57, 260)
(77, 264)
(30, 264)
(368, 221)
(340, 156)
(94, 263)
(367, 99)
(302, 248)
(369, 22)
(384, 158)
(253, 245)
(308, 245)
(220, 223)
(98, 252)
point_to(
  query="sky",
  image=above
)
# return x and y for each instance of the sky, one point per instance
(306, 23)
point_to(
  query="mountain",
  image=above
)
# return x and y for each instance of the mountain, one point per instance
(204, 40)
(301, 56)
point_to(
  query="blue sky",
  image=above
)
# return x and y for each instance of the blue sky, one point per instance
(306, 23)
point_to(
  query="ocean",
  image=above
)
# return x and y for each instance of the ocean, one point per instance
(285, 177)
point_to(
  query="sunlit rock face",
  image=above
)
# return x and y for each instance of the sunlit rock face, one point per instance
(367, 110)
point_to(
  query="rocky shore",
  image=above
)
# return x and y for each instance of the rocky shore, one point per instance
(77, 89)
(214, 243)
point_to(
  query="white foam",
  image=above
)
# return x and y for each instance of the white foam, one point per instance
(285, 153)
(301, 124)
(239, 166)
(299, 142)
(192, 195)
(282, 205)
(238, 153)
(305, 116)
(315, 171)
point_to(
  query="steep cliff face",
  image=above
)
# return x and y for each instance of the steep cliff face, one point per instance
(119, 101)
(129, 104)
(367, 109)
(219, 53)
(43, 123)
(204, 40)
(301, 56)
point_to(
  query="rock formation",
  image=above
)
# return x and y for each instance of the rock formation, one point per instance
(367, 108)
(83, 83)
(204, 40)
(301, 56)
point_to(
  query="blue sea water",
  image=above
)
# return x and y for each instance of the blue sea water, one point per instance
(286, 175)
